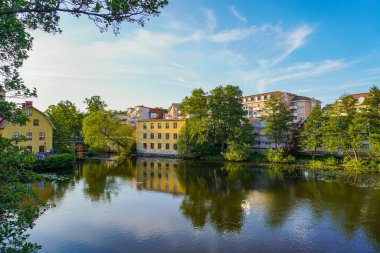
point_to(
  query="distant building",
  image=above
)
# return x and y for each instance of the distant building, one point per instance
(300, 106)
(139, 113)
(158, 136)
(174, 112)
(38, 130)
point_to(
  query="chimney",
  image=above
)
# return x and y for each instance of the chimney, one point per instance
(26, 104)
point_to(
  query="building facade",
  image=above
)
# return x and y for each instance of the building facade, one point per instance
(300, 106)
(38, 130)
(158, 136)
(139, 112)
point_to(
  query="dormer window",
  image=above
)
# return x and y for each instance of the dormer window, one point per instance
(29, 112)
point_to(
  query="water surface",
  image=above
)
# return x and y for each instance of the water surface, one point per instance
(157, 205)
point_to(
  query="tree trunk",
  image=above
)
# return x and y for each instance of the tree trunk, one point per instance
(355, 153)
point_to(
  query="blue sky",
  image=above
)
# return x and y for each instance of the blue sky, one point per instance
(313, 48)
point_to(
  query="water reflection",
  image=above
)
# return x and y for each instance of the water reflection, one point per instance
(228, 197)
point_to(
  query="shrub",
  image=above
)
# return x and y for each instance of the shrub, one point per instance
(236, 151)
(331, 161)
(55, 162)
(278, 156)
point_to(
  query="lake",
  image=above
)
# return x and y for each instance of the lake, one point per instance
(158, 205)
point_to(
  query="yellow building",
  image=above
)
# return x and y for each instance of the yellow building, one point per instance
(158, 136)
(38, 130)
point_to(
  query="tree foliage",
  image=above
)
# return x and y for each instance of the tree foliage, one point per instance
(102, 131)
(278, 118)
(312, 134)
(216, 119)
(67, 120)
(16, 219)
(94, 104)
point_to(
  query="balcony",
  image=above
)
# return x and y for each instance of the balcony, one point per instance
(294, 114)
(293, 107)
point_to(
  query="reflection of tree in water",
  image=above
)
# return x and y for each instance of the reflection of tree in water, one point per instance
(101, 178)
(350, 207)
(214, 194)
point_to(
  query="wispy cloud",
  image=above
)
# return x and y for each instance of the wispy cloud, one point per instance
(233, 34)
(210, 19)
(237, 14)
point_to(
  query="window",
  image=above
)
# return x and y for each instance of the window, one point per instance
(151, 125)
(29, 148)
(175, 125)
(144, 163)
(152, 136)
(29, 112)
(365, 146)
(42, 136)
(144, 125)
(159, 136)
(41, 149)
(159, 125)
(28, 135)
(144, 145)
(36, 122)
(167, 125)
(175, 136)
(175, 146)
(152, 146)
(159, 145)
(167, 136)
(167, 146)
(300, 110)
(145, 136)
(16, 135)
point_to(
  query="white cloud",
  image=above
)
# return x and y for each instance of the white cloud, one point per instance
(210, 19)
(232, 34)
(237, 14)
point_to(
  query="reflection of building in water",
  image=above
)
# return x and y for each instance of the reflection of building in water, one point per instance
(158, 175)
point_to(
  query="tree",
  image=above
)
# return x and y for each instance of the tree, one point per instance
(278, 118)
(101, 131)
(312, 134)
(196, 105)
(94, 104)
(227, 114)
(216, 119)
(371, 114)
(18, 17)
(344, 128)
(19, 206)
(67, 120)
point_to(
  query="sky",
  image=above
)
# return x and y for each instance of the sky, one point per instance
(315, 48)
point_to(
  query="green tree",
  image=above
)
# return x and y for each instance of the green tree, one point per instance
(344, 128)
(371, 114)
(67, 120)
(94, 104)
(312, 134)
(196, 105)
(102, 131)
(278, 118)
(216, 119)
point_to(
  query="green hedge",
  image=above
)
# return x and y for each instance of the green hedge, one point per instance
(54, 162)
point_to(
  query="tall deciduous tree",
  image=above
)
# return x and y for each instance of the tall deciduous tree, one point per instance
(344, 128)
(67, 120)
(94, 104)
(278, 118)
(102, 131)
(312, 134)
(371, 114)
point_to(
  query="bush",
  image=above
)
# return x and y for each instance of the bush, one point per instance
(331, 161)
(55, 162)
(236, 152)
(278, 156)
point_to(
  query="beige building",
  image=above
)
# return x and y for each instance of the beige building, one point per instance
(300, 106)
(158, 136)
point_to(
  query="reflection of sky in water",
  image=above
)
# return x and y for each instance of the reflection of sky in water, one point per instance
(105, 209)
